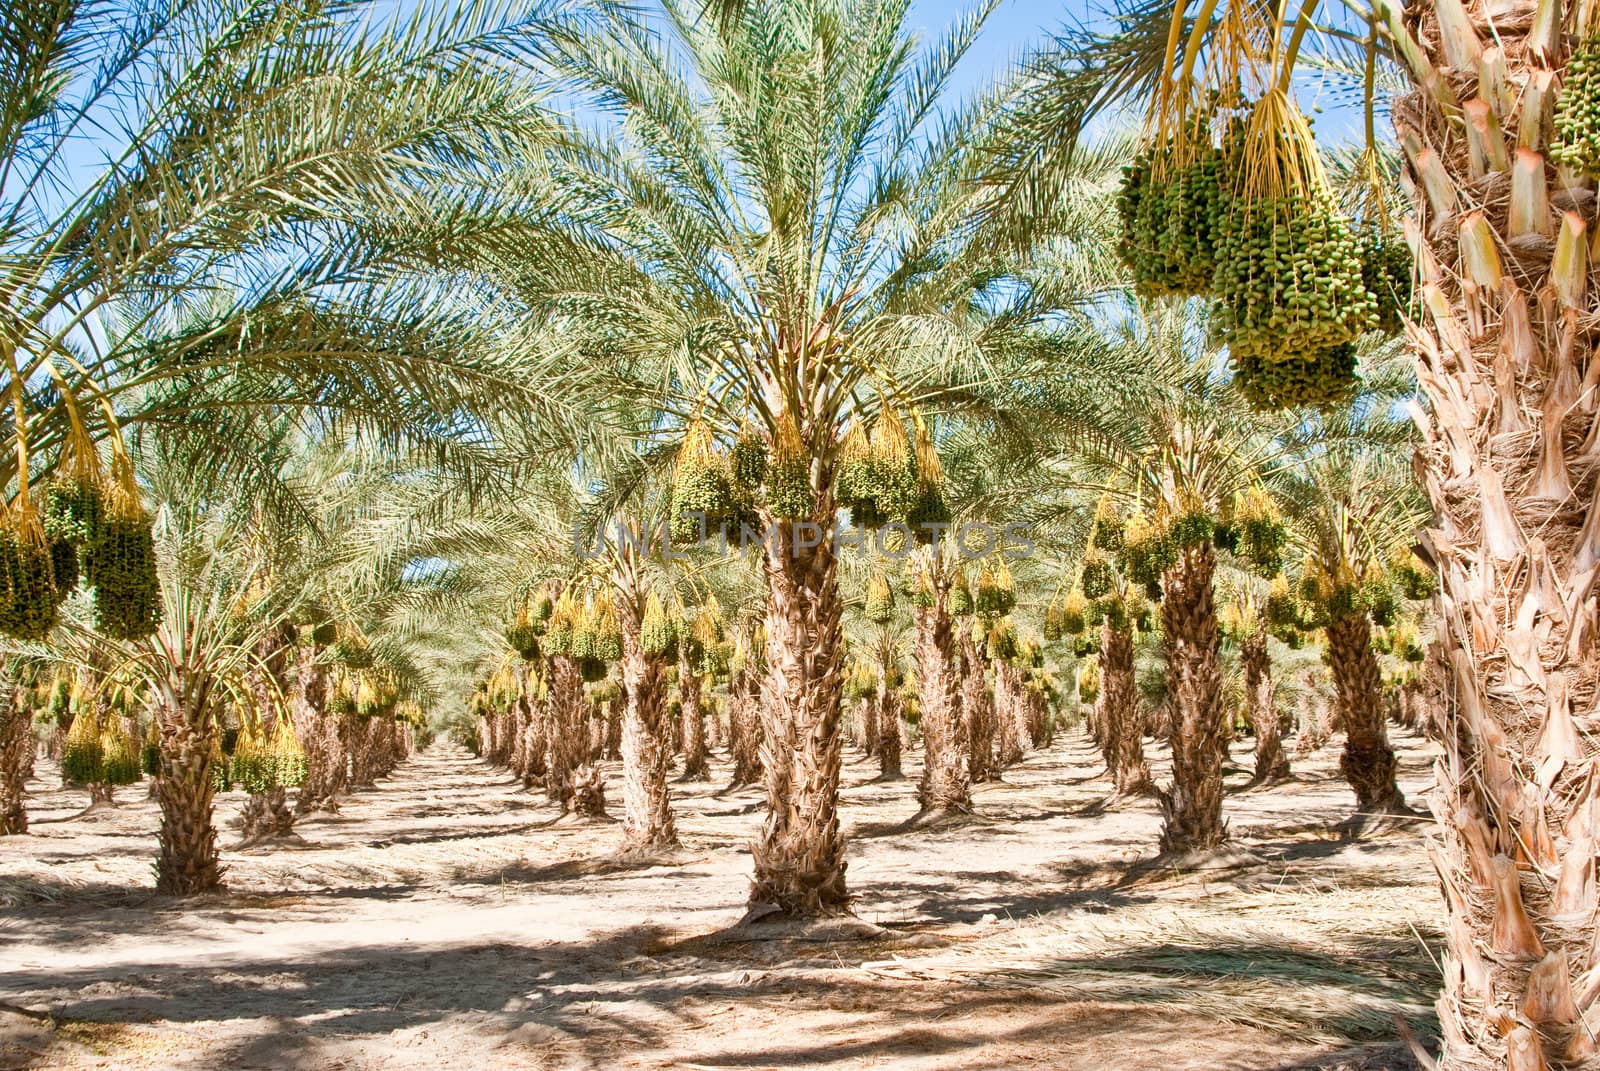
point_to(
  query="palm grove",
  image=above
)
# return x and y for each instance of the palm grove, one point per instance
(714, 379)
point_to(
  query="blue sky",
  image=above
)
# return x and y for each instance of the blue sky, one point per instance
(1014, 25)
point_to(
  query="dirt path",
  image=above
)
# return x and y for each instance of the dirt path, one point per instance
(446, 920)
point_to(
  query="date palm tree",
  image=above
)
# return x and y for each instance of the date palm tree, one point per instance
(775, 233)
(1500, 338)
(1357, 516)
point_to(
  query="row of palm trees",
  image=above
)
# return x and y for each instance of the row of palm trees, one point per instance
(505, 235)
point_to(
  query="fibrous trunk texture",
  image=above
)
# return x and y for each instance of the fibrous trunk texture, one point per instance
(977, 710)
(361, 735)
(187, 862)
(326, 764)
(588, 792)
(867, 723)
(267, 816)
(1260, 696)
(889, 742)
(744, 728)
(1010, 713)
(1505, 359)
(1312, 722)
(647, 821)
(1117, 713)
(946, 768)
(566, 741)
(614, 726)
(1368, 761)
(696, 760)
(799, 857)
(1192, 805)
(16, 757)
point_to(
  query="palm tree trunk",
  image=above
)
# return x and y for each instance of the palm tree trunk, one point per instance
(1010, 712)
(1192, 806)
(1260, 698)
(1368, 761)
(614, 726)
(648, 826)
(696, 761)
(566, 744)
(16, 755)
(360, 735)
(744, 729)
(1035, 714)
(267, 815)
(1506, 364)
(977, 709)
(799, 857)
(187, 862)
(319, 735)
(946, 767)
(1117, 712)
(868, 718)
(889, 742)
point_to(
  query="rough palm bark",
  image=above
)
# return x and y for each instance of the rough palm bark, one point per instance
(1192, 805)
(1117, 712)
(361, 739)
(889, 740)
(977, 710)
(1368, 761)
(696, 760)
(1505, 361)
(614, 726)
(16, 755)
(1260, 696)
(187, 862)
(946, 768)
(799, 856)
(648, 826)
(268, 814)
(744, 729)
(1011, 714)
(868, 721)
(326, 762)
(566, 742)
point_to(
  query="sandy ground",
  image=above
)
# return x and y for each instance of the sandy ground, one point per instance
(445, 920)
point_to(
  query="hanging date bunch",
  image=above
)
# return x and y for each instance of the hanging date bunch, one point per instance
(533, 609)
(1171, 204)
(1577, 121)
(997, 591)
(877, 470)
(1192, 524)
(789, 494)
(1105, 533)
(1148, 551)
(607, 631)
(959, 600)
(120, 563)
(748, 464)
(702, 485)
(928, 509)
(1290, 295)
(709, 647)
(658, 633)
(1262, 533)
(879, 604)
(29, 597)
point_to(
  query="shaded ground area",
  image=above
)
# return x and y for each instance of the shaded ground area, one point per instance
(447, 920)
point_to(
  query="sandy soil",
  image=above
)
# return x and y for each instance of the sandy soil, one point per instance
(445, 920)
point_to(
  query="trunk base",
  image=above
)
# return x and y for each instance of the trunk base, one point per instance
(266, 816)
